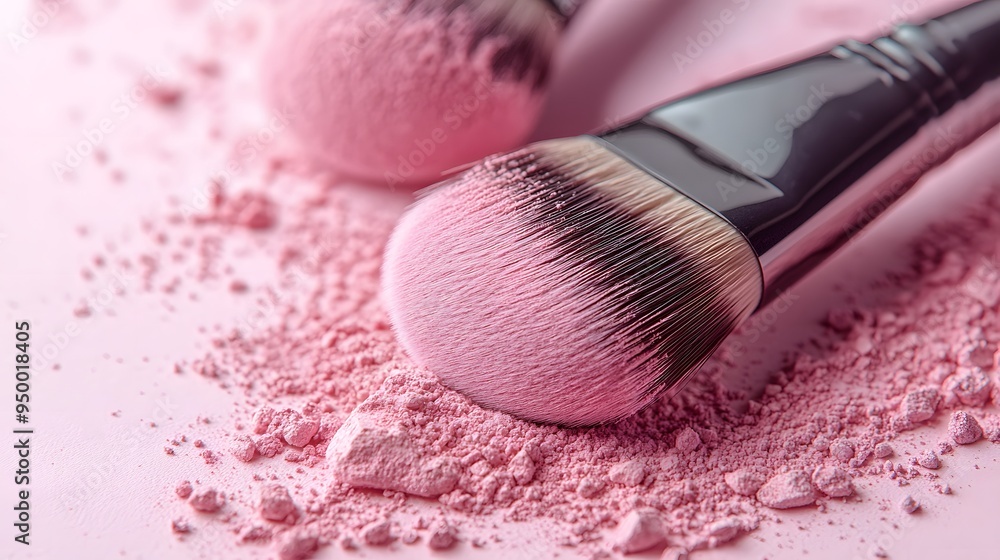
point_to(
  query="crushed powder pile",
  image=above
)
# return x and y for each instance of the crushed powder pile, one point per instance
(373, 435)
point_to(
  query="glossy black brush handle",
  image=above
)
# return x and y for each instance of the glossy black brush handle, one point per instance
(771, 151)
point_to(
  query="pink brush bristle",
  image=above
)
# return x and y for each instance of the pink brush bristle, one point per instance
(562, 284)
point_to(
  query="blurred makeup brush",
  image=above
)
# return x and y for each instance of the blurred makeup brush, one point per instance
(403, 90)
(577, 280)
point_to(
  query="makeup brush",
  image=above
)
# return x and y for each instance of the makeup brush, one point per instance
(577, 280)
(400, 91)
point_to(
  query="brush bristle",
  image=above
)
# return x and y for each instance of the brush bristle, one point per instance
(562, 284)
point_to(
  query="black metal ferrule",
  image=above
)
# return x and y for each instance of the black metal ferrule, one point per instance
(770, 151)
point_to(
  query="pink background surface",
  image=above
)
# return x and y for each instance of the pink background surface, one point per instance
(102, 485)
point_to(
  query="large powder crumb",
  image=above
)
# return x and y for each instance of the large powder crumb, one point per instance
(787, 490)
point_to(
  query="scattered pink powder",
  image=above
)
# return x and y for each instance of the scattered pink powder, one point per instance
(184, 490)
(383, 424)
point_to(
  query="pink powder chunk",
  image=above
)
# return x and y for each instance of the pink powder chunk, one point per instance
(207, 500)
(842, 449)
(727, 529)
(184, 490)
(443, 536)
(743, 482)
(262, 419)
(640, 529)
(929, 460)
(254, 534)
(675, 554)
(787, 490)
(299, 431)
(687, 440)
(991, 430)
(250, 210)
(366, 454)
(833, 481)
(522, 468)
(909, 505)
(377, 533)
(180, 526)
(298, 546)
(276, 504)
(243, 448)
(970, 386)
(883, 450)
(979, 354)
(629, 473)
(268, 445)
(210, 457)
(920, 405)
(963, 428)
(590, 487)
